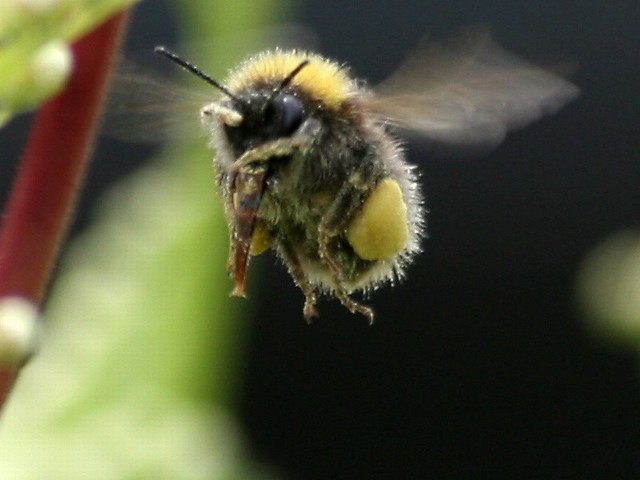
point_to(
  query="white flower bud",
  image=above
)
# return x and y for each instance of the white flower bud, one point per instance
(19, 330)
(51, 66)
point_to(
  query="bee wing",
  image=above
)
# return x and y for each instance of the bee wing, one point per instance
(143, 107)
(469, 91)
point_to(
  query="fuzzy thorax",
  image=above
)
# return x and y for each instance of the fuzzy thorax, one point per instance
(322, 80)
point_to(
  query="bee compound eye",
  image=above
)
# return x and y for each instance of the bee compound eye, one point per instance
(290, 114)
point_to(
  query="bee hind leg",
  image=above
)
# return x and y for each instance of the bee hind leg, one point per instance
(339, 291)
(353, 306)
(346, 204)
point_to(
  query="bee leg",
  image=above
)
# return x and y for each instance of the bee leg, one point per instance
(353, 306)
(297, 272)
(348, 200)
(231, 259)
(229, 213)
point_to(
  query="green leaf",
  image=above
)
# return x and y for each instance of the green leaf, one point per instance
(35, 59)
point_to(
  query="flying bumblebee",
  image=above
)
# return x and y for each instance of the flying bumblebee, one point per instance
(307, 162)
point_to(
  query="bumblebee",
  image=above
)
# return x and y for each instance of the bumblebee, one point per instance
(307, 163)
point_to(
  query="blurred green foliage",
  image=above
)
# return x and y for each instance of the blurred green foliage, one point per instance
(35, 60)
(142, 350)
(608, 289)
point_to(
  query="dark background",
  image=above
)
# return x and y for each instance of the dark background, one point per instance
(478, 365)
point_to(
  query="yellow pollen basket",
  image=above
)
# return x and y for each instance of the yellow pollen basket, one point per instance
(380, 231)
(261, 239)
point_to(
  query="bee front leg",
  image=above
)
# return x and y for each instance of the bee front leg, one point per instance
(229, 214)
(291, 259)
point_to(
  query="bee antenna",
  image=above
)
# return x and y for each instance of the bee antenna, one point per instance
(288, 79)
(189, 67)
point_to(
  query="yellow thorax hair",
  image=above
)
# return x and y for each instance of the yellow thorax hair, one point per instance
(322, 80)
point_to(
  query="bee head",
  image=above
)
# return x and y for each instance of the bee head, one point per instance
(272, 94)
(278, 94)
(265, 116)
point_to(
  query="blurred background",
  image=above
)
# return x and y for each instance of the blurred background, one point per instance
(510, 351)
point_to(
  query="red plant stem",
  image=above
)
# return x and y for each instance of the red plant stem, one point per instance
(41, 203)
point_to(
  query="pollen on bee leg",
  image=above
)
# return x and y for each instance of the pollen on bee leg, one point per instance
(380, 231)
(261, 239)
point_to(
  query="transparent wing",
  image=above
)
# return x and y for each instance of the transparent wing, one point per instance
(143, 107)
(469, 91)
